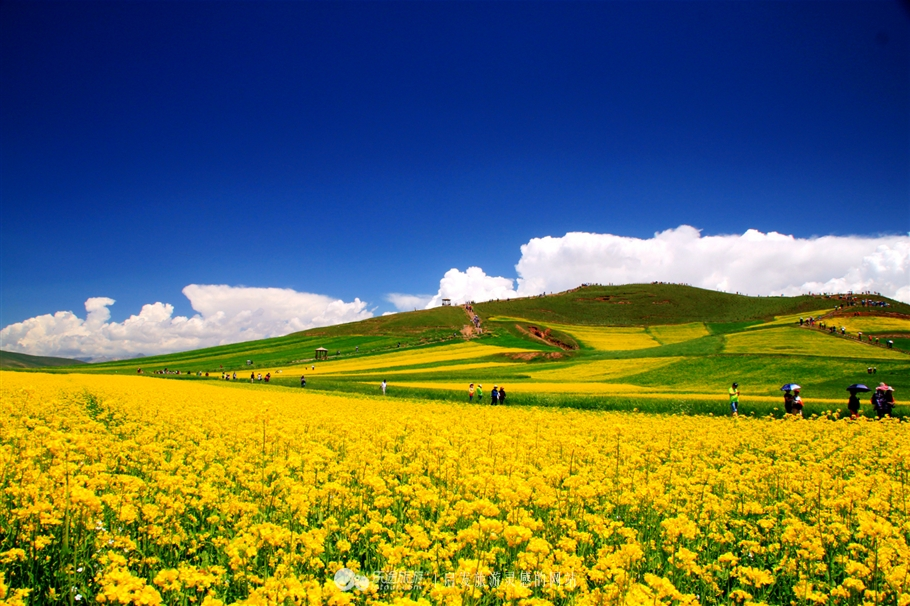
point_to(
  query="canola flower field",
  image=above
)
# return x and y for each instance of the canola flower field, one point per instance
(136, 490)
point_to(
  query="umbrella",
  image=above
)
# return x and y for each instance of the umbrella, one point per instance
(858, 387)
(790, 387)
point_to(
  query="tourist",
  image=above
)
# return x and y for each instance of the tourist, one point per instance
(797, 403)
(302, 381)
(471, 392)
(888, 397)
(494, 396)
(788, 402)
(383, 386)
(502, 395)
(480, 393)
(734, 399)
(853, 405)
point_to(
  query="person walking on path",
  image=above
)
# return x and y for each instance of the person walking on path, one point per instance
(502, 395)
(302, 381)
(494, 396)
(734, 399)
(480, 393)
(252, 377)
(471, 392)
(383, 386)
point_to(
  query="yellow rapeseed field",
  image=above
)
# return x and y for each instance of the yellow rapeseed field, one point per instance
(667, 334)
(601, 370)
(791, 319)
(610, 338)
(871, 324)
(444, 353)
(805, 342)
(139, 490)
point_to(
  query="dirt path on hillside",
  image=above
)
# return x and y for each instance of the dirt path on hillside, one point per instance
(472, 329)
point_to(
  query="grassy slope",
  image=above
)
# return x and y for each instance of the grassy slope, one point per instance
(647, 304)
(372, 337)
(10, 359)
(698, 355)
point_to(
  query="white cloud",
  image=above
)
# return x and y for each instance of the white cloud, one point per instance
(226, 314)
(471, 285)
(404, 302)
(753, 263)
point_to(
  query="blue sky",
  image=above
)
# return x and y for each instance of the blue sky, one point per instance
(359, 149)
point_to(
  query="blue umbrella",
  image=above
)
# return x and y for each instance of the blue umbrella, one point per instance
(858, 387)
(790, 387)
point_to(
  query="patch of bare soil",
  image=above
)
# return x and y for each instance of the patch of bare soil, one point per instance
(544, 335)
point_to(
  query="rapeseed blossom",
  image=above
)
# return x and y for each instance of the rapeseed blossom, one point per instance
(138, 490)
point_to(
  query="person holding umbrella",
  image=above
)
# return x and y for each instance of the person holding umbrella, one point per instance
(853, 402)
(788, 396)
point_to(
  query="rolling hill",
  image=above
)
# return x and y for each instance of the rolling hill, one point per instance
(655, 347)
(9, 359)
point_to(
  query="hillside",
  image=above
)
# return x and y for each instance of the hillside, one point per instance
(367, 337)
(656, 344)
(10, 359)
(647, 304)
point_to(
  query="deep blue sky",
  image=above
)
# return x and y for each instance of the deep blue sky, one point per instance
(358, 149)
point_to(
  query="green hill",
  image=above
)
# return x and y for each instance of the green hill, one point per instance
(647, 304)
(669, 345)
(10, 359)
(368, 337)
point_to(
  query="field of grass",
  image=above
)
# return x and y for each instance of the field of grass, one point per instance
(9, 359)
(135, 490)
(669, 334)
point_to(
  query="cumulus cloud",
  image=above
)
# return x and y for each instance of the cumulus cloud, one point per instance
(225, 314)
(404, 302)
(471, 285)
(752, 263)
